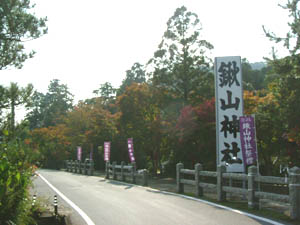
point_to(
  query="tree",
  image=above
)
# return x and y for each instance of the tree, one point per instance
(140, 120)
(285, 86)
(18, 26)
(13, 97)
(49, 108)
(180, 65)
(253, 79)
(136, 74)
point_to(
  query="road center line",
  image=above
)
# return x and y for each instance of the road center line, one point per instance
(80, 212)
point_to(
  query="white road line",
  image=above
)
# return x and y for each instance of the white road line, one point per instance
(209, 203)
(81, 213)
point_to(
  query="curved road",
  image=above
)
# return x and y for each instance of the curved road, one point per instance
(111, 202)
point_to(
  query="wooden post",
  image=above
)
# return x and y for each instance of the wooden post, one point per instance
(221, 195)
(199, 190)
(253, 202)
(133, 171)
(294, 193)
(179, 176)
(122, 171)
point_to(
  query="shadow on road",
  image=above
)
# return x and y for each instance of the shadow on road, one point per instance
(127, 186)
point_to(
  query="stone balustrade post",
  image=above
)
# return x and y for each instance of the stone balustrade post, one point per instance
(91, 168)
(294, 193)
(114, 170)
(145, 177)
(221, 195)
(179, 176)
(107, 165)
(122, 171)
(199, 190)
(133, 171)
(253, 202)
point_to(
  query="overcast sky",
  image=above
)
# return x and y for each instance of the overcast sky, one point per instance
(95, 41)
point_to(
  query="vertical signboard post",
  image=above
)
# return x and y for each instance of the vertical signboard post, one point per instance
(248, 140)
(130, 150)
(106, 151)
(79, 153)
(229, 108)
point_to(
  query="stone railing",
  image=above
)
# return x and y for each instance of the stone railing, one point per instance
(76, 166)
(252, 190)
(123, 171)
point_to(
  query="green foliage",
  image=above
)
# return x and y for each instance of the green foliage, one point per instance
(254, 79)
(286, 82)
(17, 26)
(14, 96)
(16, 171)
(49, 108)
(136, 74)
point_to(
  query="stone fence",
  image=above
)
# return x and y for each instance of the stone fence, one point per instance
(122, 171)
(252, 191)
(76, 166)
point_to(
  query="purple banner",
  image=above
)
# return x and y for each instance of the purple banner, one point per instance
(248, 142)
(130, 149)
(79, 152)
(106, 151)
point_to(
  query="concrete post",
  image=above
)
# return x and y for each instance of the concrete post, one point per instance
(221, 195)
(253, 202)
(107, 170)
(114, 170)
(145, 178)
(294, 193)
(133, 171)
(199, 190)
(122, 171)
(179, 176)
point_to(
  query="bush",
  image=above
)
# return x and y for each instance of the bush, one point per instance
(16, 171)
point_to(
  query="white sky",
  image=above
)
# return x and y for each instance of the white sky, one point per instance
(95, 41)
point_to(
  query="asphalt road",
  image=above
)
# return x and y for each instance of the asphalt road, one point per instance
(114, 203)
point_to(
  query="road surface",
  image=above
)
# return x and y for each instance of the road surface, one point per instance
(110, 202)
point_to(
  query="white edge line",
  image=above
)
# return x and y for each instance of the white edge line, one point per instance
(207, 202)
(81, 213)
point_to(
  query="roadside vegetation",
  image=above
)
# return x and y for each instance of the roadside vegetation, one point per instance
(167, 106)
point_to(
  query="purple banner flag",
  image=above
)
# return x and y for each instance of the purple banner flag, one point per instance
(248, 139)
(106, 151)
(79, 152)
(130, 149)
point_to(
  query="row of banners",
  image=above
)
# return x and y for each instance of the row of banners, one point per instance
(107, 151)
(130, 150)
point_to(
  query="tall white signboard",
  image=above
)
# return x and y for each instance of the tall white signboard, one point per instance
(229, 108)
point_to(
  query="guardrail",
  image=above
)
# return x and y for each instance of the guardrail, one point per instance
(76, 166)
(123, 171)
(252, 191)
